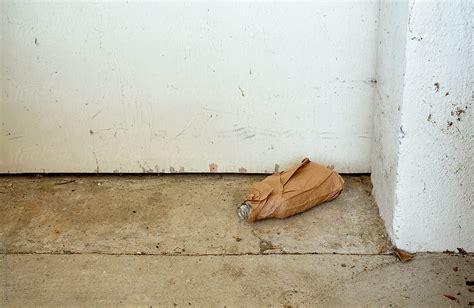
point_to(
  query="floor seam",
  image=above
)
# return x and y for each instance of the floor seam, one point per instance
(62, 253)
(200, 255)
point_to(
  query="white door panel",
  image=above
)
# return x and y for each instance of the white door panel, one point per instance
(196, 87)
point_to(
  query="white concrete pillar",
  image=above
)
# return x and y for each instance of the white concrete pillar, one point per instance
(422, 158)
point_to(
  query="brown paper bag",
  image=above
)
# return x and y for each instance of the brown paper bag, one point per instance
(287, 193)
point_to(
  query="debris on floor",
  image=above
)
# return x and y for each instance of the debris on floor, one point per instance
(450, 297)
(65, 182)
(403, 255)
(287, 193)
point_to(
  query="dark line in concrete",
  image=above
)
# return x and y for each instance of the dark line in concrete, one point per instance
(282, 253)
(200, 254)
(64, 183)
(139, 174)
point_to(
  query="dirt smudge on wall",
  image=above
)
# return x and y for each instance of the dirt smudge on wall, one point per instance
(213, 167)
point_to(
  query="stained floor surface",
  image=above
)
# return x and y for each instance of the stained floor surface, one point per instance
(175, 240)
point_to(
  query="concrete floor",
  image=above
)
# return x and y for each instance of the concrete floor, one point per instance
(175, 240)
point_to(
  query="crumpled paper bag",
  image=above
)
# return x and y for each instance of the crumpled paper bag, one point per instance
(287, 193)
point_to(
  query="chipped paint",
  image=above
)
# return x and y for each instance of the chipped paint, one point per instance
(213, 167)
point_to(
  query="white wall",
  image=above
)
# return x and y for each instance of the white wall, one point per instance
(431, 204)
(387, 105)
(163, 87)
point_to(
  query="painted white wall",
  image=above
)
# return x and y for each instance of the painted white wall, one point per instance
(163, 87)
(431, 205)
(387, 105)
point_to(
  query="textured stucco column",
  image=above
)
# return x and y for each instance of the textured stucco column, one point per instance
(422, 158)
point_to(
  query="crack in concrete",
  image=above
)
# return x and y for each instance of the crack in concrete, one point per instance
(197, 254)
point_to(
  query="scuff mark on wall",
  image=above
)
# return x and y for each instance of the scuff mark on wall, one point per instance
(15, 137)
(277, 167)
(96, 163)
(242, 170)
(403, 133)
(409, 16)
(241, 91)
(458, 112)
(97, 113)
(145, 170)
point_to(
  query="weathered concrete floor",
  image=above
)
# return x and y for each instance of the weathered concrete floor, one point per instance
(165, 240)
(183, 214)
(244, 281)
